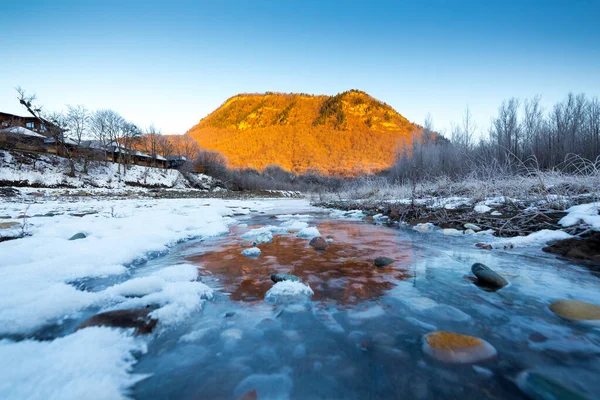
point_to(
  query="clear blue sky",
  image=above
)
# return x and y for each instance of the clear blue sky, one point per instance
(173, 62)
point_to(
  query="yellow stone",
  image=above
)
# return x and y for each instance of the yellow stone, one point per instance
(451, 341)
(576, 310)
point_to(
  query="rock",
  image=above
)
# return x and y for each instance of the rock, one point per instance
(137, 318)
(539, 387)
(318, 243)
(78, 236)
(575, 310)
(10, 224)
(251, 252)
(424, 227)
(472, 227)
(487, 277)
(484, 246)
(587, 248)
(451, 231)
(383, 261)
(456, 348)
(469, 231)
(251, 395)
(284, 277)
(8, 192)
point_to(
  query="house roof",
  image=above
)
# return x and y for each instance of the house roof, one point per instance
(68, 141)
(176, 158)
(19, 130)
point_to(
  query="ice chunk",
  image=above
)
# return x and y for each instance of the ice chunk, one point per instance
(308, 233)
(251, 252)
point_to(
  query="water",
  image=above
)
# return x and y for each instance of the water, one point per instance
(361, 335)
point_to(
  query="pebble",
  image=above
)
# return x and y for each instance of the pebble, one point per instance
(487, 277)
(284, 277)
(318, 243)
(383, 261)
(456, 348)
(78, 236)
(576, 310)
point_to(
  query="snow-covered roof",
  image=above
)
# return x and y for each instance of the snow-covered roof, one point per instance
(68, 141)
(21, 131)
(176, 158)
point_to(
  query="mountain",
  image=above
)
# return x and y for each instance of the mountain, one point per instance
(347, 134)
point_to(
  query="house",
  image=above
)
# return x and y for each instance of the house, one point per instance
(33, 124)
(176, 161)
(18, 137)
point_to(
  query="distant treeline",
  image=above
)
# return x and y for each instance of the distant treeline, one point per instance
(523, 137)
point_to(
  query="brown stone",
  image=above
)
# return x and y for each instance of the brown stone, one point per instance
(136, 318)
(318, 243)
(576, 310)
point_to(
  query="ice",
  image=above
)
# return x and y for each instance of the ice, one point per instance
(294, 225)
(268, 387)
(372, 312)
(586, 213)
(90, 363)
(251, 252)
(37, 271)
(308, 233)
(260, 235)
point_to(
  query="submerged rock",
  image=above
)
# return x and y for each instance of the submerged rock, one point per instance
(488, 277)
(318, 243)
(78, 236)
(137, 318)
(539, 387)
(456, 348)
(284, 277)
(383, 261)
(575, 310)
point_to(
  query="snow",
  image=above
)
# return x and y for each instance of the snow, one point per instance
(251, 252)
(586, 213)
(51, 171)
(428, 226)
(482, 208)
(19, 130)
(288, 290)
(90, 363)
(294, 225)
(452, 232)
(37, 270)
(533, 239)
(308, 233)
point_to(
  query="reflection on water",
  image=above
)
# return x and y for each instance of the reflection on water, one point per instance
(343, 273)
(361, 336)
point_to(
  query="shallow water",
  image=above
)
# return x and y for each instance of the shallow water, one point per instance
(361, 335)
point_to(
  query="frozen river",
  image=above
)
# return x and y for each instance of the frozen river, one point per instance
(359, 335)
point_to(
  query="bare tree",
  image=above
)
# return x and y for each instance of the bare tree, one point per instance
(54, 123)
(151, 141)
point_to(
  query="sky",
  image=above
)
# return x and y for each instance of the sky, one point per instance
(171, 63)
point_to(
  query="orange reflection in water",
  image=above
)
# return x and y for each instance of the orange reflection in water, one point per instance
(343, 273)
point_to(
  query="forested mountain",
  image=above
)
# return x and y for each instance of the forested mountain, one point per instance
(347, 134)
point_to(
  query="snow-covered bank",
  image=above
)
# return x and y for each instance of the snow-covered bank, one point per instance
(45, 170)
(40, 274)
